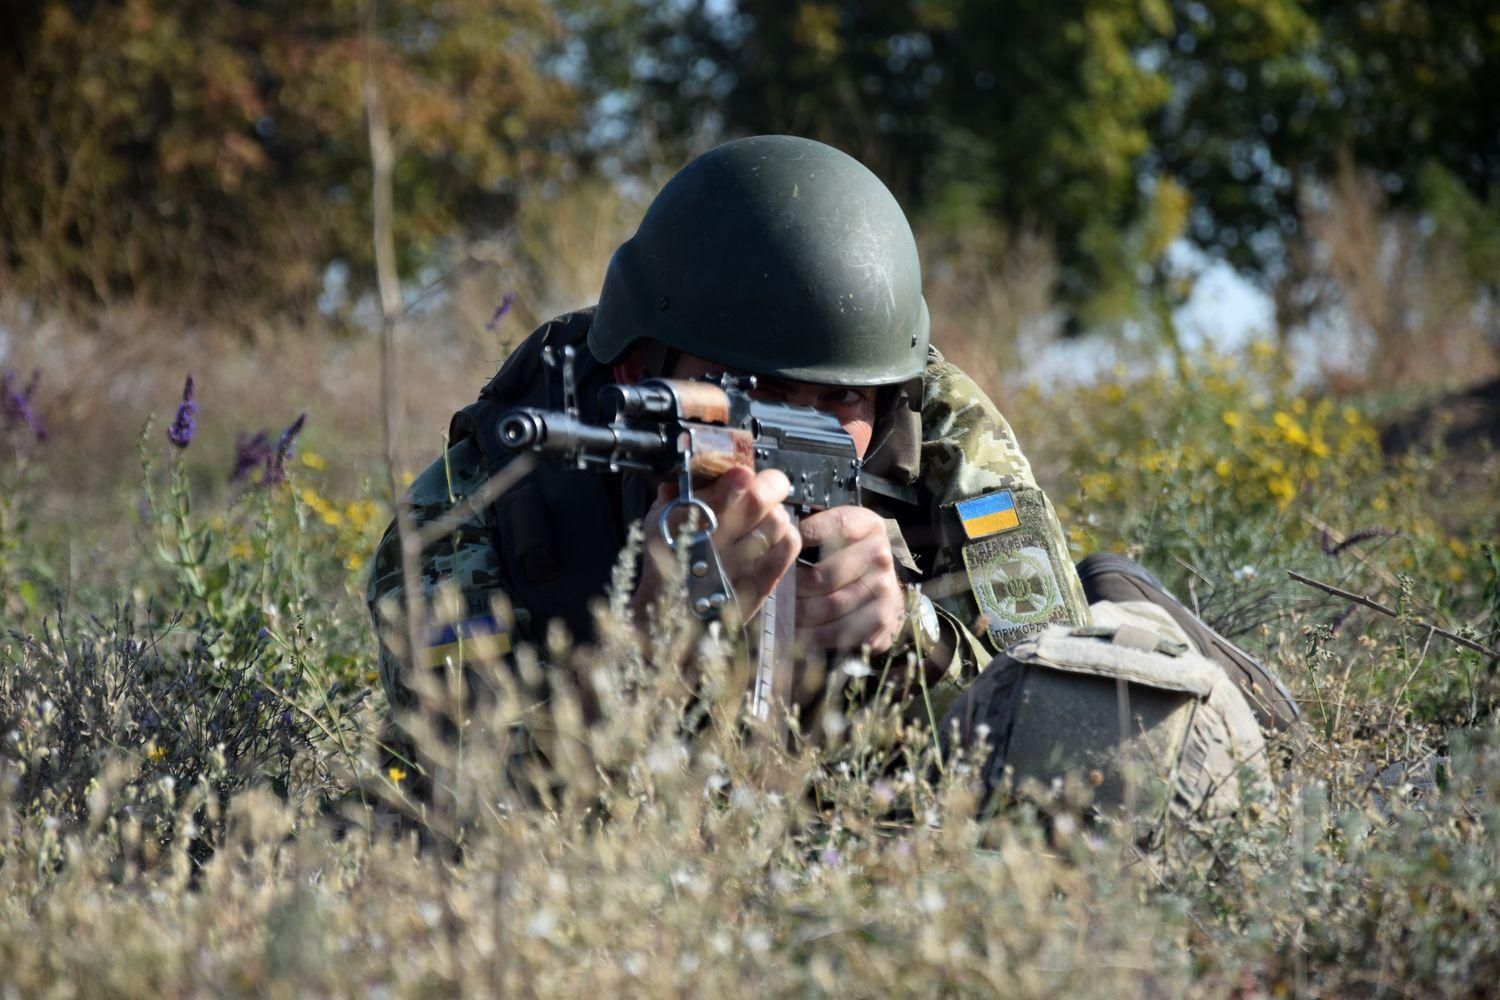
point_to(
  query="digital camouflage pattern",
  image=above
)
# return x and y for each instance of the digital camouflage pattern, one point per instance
(966, 449)
(465, 562)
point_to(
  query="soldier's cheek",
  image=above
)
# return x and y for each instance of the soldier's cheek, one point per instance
(861, 429)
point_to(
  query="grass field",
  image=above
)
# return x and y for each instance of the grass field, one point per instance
(192, 798)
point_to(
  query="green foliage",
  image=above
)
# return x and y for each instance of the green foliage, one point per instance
(167, 149)
(1267, 98)
(1111, 127)
(164, 149)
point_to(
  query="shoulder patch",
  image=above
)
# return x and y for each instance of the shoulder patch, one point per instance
(1016, 572)
(989, 514)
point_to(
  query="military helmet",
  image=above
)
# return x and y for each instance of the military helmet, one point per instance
(774, 255)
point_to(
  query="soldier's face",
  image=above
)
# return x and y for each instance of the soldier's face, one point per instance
(853, 407)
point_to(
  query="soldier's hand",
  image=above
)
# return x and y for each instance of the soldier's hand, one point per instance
(755, 538)
(851, 598)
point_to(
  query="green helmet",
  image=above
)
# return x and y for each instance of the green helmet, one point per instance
(774, 255)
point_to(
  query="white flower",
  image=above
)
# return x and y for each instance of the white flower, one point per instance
(856, 668)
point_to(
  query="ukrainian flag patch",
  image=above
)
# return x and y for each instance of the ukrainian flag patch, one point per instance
(481, 638)
(989, 514)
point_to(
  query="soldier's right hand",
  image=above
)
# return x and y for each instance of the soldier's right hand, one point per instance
(755, 538)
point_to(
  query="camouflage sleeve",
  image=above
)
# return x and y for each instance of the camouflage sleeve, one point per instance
(1001, 568)
(460, 576)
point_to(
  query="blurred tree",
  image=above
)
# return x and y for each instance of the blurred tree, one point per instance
(1113, 126)
(215, 154)
(1270, 100)
(1034, 113)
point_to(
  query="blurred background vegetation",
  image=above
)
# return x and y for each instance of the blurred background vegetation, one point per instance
(213, 158)
(188, 187)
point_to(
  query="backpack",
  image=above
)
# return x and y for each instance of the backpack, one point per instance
(1159, 734)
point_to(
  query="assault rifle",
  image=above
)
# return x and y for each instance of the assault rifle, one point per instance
(698, 430)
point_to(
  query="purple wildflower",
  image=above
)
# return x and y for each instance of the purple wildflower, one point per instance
(16, 405)
(250, 453)
(276, 463)
(506, 301)
(185, 424)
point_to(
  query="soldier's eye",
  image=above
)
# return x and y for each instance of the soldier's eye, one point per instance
(844, 397)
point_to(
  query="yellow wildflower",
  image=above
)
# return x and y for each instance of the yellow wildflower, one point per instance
(1291, 431)
(1458, 548)
(314, 461)
(355, 561)
(395, 774)
(313, 499)
(1223, 467)
(1282, 488)
(154, 752)
(1231, 419)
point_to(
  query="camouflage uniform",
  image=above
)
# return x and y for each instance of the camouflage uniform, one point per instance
(952, 447)
(995, 584)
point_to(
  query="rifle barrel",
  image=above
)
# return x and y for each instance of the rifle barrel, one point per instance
(556, 433)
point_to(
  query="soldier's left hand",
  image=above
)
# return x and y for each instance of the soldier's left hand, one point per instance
(851, 598)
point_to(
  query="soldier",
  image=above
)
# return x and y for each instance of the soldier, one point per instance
(786, 259)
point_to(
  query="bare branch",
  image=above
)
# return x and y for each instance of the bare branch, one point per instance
(1374, 605)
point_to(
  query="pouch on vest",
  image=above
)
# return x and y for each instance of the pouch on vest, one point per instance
(1136, 716)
